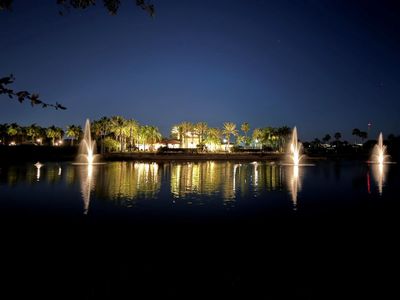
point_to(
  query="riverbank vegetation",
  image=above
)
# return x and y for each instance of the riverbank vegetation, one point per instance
(119, 134)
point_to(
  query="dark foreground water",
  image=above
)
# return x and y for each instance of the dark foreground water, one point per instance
(128, 230)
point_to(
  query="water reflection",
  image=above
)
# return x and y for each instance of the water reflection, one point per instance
(38, 166)
(193, 182)
(294, 183)
(379, 172)
(87, 176)
(126, 181)
(226, 180)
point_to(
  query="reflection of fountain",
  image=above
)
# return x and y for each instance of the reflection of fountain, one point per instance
(295, 148)
(87, 147)
(379, 163)
(294, 184)
(38, 165)
(379, 172)
(87, 181)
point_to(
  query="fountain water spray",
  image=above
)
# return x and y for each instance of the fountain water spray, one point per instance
(87, 147)
(379, 152)
(295, 148)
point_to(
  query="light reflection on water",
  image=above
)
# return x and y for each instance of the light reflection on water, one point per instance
(188, 183)
(379, 172)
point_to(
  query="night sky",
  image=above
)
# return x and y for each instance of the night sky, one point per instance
(324, 66)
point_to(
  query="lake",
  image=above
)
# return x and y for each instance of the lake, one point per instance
(201, 228)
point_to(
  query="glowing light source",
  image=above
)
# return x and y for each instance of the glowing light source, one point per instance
(87, 146)
(38, 165)
(295, 148)
(379, 152)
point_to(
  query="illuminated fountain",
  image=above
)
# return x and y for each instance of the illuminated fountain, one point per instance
(87, 157)
(294, 174)
(379, 151)
(379, 162)
(295, 148)
(87, 147)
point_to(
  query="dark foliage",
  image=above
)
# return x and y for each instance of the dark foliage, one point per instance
(21, 96)
(111, 5)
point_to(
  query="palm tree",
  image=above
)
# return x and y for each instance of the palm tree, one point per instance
(201, 130)
(153, 135)
(33, 131)
(73, 132)
(51, 133)
(213, 137)
(245, 127)
(363, 135)
(356, 133)
(117, 127)
(177, 133)
(13, 130)
(187, 128)
(3, 132)
(258, 135)
(283, 133)
(338, 136)
(101, 128)
(143, 136)
(326, 138)
(228, 130)
(131, 129)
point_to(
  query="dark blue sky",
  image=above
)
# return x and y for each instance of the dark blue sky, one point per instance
(324, 66)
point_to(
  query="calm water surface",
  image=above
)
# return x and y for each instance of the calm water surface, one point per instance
(254, 230)
(196, 188)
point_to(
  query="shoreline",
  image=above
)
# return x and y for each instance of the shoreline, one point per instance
(29, 154)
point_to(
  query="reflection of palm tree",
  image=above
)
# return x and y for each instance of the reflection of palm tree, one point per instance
(229, 129)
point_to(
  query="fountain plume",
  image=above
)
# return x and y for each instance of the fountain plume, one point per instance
(87, 147)
(295, 148)
(379, 152)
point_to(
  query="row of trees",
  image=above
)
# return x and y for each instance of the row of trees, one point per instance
(271, 137)
(35, 134)
(113, 134)
(337, 136)
(119, 134)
